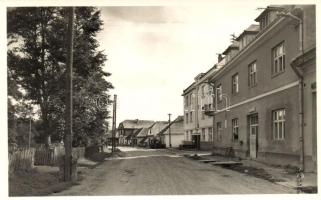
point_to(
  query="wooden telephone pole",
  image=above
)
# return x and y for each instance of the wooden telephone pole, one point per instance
(169, 130)
(68, 112)
(113, 148)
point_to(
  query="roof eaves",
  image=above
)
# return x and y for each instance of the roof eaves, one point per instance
(230, 48)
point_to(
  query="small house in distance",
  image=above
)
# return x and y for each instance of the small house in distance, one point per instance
(176, 136)
(128, 130)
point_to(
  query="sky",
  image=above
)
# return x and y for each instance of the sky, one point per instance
(154, 52)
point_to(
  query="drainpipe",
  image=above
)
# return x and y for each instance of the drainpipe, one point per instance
(301, 115)
(301, 87)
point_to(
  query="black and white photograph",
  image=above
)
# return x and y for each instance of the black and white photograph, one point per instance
(160, 98)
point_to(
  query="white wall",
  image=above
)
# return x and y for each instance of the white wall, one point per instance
(176, 140)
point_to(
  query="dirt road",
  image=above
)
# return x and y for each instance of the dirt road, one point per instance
(150, 172)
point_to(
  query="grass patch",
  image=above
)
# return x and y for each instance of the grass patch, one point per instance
(35, 183)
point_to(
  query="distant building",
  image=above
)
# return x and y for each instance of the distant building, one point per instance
(154, 130)
(176, 136)
(142, 136)
(260, 99)
(128, 130)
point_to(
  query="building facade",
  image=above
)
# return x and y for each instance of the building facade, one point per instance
(173, 135)
(256, 109)
(129, 129)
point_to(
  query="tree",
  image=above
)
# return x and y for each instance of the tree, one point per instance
(37, 60)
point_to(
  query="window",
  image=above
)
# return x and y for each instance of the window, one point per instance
(203, 91)
(278, 124)
(209, 91)
(203, 134)
(186, 136)
(264, 22)
(191, 99)
(186, 118)
(186, 101)
(219, 92)
(278, 59)
(210, 134)
(252, 74)
(235, 83)
(235, 128)
(219, 131)
(202, 114)
(191, 117)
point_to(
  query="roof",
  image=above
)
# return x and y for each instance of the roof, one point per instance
(157, 127)
(234, 45)
(252, 29)
(143, 132)
(207, 75)
(135, 133)
(199, 76)
(269, 8)
(177, 127)
(188, 88)
(136, 123)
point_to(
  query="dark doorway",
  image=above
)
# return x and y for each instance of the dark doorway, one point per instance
(196, 141)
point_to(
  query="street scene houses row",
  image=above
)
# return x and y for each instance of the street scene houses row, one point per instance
(153, 134)
(259, 100)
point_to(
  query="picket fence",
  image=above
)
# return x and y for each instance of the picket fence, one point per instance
(26, 158)
(50, 156)
(21, 158)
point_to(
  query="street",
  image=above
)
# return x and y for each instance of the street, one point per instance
(161, 172)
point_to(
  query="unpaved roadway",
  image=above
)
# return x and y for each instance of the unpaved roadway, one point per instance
(161, 172)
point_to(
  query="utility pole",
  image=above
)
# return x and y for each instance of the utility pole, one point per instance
(169, 130)
(69, 107)
(113, 148)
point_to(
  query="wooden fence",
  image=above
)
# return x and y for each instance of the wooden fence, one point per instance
(22, 158)
(26, 158)
(50, 155)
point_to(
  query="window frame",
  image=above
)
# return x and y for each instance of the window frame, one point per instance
(210, 133)
(186, 101)
(276, 121)
(203, 137)
(203, 91)
(219, 94)
(202, 114)
(252, 73)
(219, 131)
(235, 129)
(277, 66)
(235, 83)
(186, 117)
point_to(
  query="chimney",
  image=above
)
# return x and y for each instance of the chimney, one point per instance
(219, 57)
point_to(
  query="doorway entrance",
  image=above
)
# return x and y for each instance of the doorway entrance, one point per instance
(253, 122)
(196, 141)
